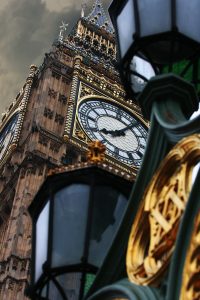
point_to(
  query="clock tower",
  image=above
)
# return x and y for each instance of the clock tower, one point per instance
(73, 98)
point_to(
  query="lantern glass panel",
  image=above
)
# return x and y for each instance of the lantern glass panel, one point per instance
(188, 20)
(143, 68)
(126, 27)
(155, 16)
(70, 283)
(70, 218)
(42, 228)
(105, 221)
(44, 292)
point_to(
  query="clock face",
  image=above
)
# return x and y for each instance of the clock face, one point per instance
(7, 135)
(120, 131)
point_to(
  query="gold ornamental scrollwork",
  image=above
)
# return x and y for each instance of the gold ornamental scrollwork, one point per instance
(96, 151)
(154, 231)
(190, 279)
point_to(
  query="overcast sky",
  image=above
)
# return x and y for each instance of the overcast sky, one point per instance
(27, 30)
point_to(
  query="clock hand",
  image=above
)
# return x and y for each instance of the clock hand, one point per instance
(113, 133)
(118, 132)
(104, 130)
(130, 126)
(121, 132)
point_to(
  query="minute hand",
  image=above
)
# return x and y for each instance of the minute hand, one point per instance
(123, 130)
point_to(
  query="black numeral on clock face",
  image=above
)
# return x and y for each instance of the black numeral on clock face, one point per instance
(142, 146)
(140, 154)
(91, 119)
(116, 152)
(119, 130)
(104, 141)
(119, 114)
(130, 155)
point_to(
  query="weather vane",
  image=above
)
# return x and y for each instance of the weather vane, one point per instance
(63, 29)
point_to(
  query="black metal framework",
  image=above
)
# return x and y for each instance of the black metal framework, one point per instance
(170, 51)
(52, 276)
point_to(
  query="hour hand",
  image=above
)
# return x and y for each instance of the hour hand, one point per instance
(113, 133)
(104, 130)
(122, 131)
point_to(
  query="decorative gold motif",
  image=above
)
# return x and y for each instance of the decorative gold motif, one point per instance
(190, 281)
(96, 151)
(154, 231)
(85, 91)
(80, 135)
(78, 132)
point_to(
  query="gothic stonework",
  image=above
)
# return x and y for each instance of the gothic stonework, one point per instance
(41, 131)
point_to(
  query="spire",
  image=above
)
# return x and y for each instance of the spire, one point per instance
(99, 18)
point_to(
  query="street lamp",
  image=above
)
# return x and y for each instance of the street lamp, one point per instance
(75, 215)
(160, 36)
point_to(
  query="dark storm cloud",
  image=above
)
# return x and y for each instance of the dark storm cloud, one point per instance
(27, 30)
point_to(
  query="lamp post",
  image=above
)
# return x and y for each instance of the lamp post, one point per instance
(163, 35)
(75, 215)
(156, 37)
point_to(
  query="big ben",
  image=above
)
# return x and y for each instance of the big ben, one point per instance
(73, 98)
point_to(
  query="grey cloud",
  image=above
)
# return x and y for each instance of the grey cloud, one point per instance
(27, 30)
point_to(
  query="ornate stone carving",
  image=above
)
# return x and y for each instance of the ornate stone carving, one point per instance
(56, 75)
(52, 93)
(54, 146)
(48, 113)
(62, 99)
(59, 119)
(65, 80)
(85, 91)
(43, 140)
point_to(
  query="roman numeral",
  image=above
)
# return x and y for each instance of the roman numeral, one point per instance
(103, 141)
(130, 156)
(116, 152)
(90, 118)
(91, 128)
(140, 154)
(119, 114)
(142, 146)
(104, 108)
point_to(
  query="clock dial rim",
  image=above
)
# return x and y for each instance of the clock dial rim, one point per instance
(132, 115)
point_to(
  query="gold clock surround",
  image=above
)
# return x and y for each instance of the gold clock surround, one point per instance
(154, 231)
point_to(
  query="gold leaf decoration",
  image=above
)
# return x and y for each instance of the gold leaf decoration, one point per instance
(154, 231)
(191, 273)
